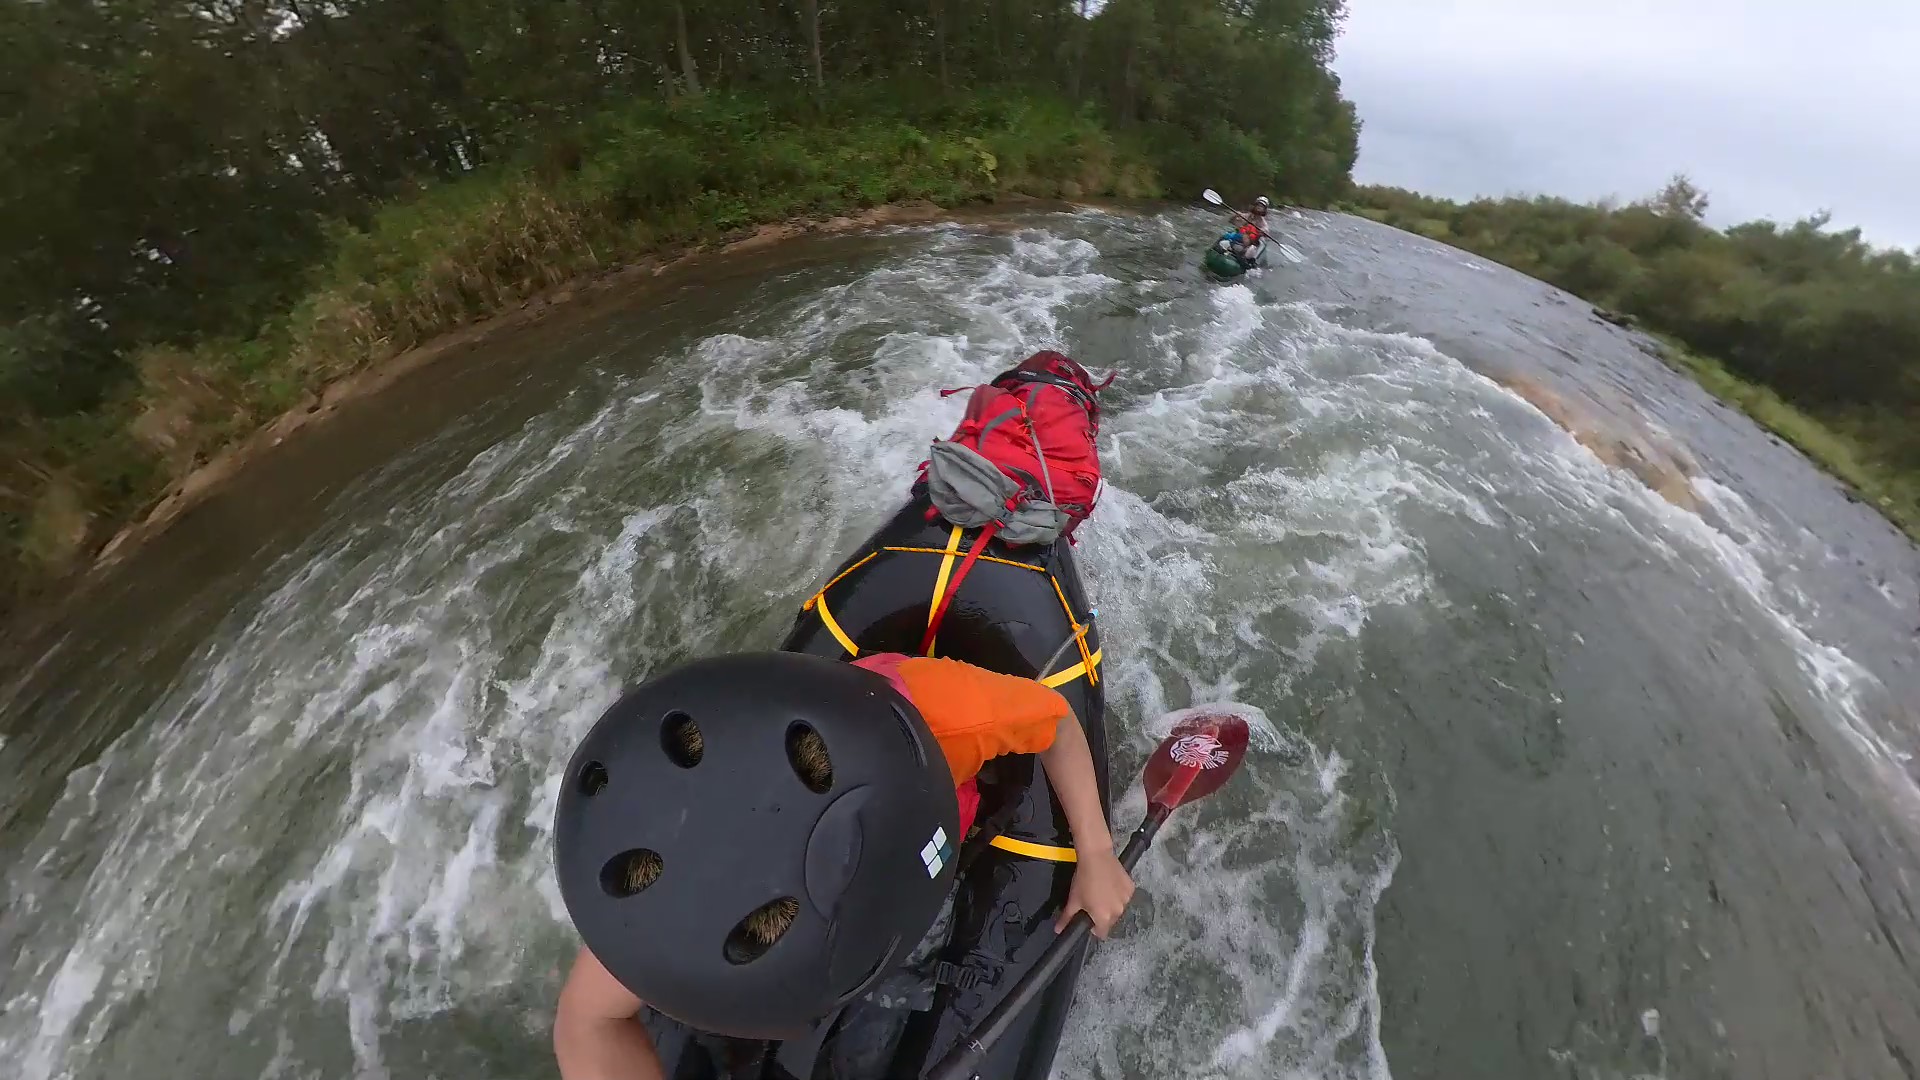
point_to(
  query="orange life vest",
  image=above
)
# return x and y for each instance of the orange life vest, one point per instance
(974, 714)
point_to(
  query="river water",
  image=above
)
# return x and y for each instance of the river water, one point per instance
(1561, 778)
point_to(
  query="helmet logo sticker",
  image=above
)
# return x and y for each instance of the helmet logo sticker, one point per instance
(1197, 750)
(936, 853)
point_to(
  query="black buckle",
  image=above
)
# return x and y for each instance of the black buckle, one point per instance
(961, 976)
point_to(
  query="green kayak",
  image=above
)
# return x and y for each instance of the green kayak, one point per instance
(1221, 264)
(1227, 266)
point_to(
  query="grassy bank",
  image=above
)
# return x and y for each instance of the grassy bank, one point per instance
(1812, 332)
(648, 180)
(1850, 456)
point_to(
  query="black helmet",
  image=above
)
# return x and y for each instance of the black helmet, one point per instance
(728, 872)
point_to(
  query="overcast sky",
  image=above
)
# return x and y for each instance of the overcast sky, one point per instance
(1776, 108)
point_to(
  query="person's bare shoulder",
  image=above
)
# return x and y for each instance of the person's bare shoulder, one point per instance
(592, 993)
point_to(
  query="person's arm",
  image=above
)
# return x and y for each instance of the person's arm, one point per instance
(983, 714)
(1101, 886)
(597, 1033)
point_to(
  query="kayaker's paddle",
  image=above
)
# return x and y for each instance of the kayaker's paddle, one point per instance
(1187, 766)
(1213, 197)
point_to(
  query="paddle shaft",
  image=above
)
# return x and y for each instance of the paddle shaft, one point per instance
(961, 1061)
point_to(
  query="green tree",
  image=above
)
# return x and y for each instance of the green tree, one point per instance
(1681, 199)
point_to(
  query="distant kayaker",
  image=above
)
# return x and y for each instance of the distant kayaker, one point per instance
(751, 843)
(1244, 242)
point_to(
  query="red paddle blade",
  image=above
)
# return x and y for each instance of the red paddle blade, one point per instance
(1196, 759)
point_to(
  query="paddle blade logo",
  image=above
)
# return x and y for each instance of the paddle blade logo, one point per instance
(1197, 751)
(1203, 749)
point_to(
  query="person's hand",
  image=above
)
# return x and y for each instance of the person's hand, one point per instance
(1101, 888)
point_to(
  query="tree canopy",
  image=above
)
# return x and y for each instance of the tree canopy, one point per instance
(179, 171)
(170, 165)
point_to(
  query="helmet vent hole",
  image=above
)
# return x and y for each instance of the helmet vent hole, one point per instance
(807, 753)
(760, 930)
(592, 778)
(631, 872)
(680, 738)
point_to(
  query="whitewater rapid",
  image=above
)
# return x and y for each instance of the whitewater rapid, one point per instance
(321, 845)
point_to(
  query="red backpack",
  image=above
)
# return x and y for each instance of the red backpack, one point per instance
(1038, 424)
(1023, 465)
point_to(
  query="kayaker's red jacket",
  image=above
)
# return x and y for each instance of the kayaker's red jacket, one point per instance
(975, 714)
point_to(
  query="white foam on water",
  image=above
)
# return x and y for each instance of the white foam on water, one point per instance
(1741, 546)
(380, 731)
(438, 723)
(1396, 389)
(1250, 357)
(1258, 960)
(372, 744)
(1242, 981)
(1256, 957)
(1297, 1012)
(66, 996)
(1353, 500)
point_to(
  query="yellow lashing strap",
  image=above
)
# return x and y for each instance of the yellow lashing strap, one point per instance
(940, 579)
(946, 569)
(826, 617)
(1089, 665)
(1034, 851)
(815, 598)
(818, 602)
(1084, 667)
(983, 558)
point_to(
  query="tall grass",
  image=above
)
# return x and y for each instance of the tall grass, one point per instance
(1846, 454)
(647, 179)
